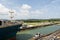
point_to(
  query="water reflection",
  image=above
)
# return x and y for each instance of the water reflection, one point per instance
(23, 36)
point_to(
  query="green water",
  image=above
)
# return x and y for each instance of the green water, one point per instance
(25, 35)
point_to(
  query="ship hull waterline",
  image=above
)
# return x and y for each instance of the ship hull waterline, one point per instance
(9, 33)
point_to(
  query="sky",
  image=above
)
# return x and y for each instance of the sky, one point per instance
(30, 9)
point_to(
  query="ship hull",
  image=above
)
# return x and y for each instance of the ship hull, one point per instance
(9, 33)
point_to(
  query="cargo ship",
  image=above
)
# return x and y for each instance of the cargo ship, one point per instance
(8, 30)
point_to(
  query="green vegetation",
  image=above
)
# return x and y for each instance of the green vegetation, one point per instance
(40, 20)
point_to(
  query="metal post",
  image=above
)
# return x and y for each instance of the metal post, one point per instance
(11, 15)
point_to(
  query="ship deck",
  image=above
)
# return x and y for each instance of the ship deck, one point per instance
(9, 24)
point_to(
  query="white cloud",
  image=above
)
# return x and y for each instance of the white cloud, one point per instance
(41, 11)
(25, 7)
(25, 10)
(36, 11)
(3, 12)
(3, 9)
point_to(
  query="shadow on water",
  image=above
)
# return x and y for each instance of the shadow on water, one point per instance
(23, 36)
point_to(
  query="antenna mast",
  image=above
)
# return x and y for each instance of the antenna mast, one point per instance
(11, 14)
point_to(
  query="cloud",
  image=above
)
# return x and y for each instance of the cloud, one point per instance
(38, 12)
(3, 9)
(25, 7)
(46, 9)
(25, 10)
(3, 12)
(41, 11)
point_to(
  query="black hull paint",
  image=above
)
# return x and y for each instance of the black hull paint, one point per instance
(9, 32)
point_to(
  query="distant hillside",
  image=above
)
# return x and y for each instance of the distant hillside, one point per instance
(39, 20)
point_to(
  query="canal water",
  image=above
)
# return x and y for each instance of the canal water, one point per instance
(27, 34)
